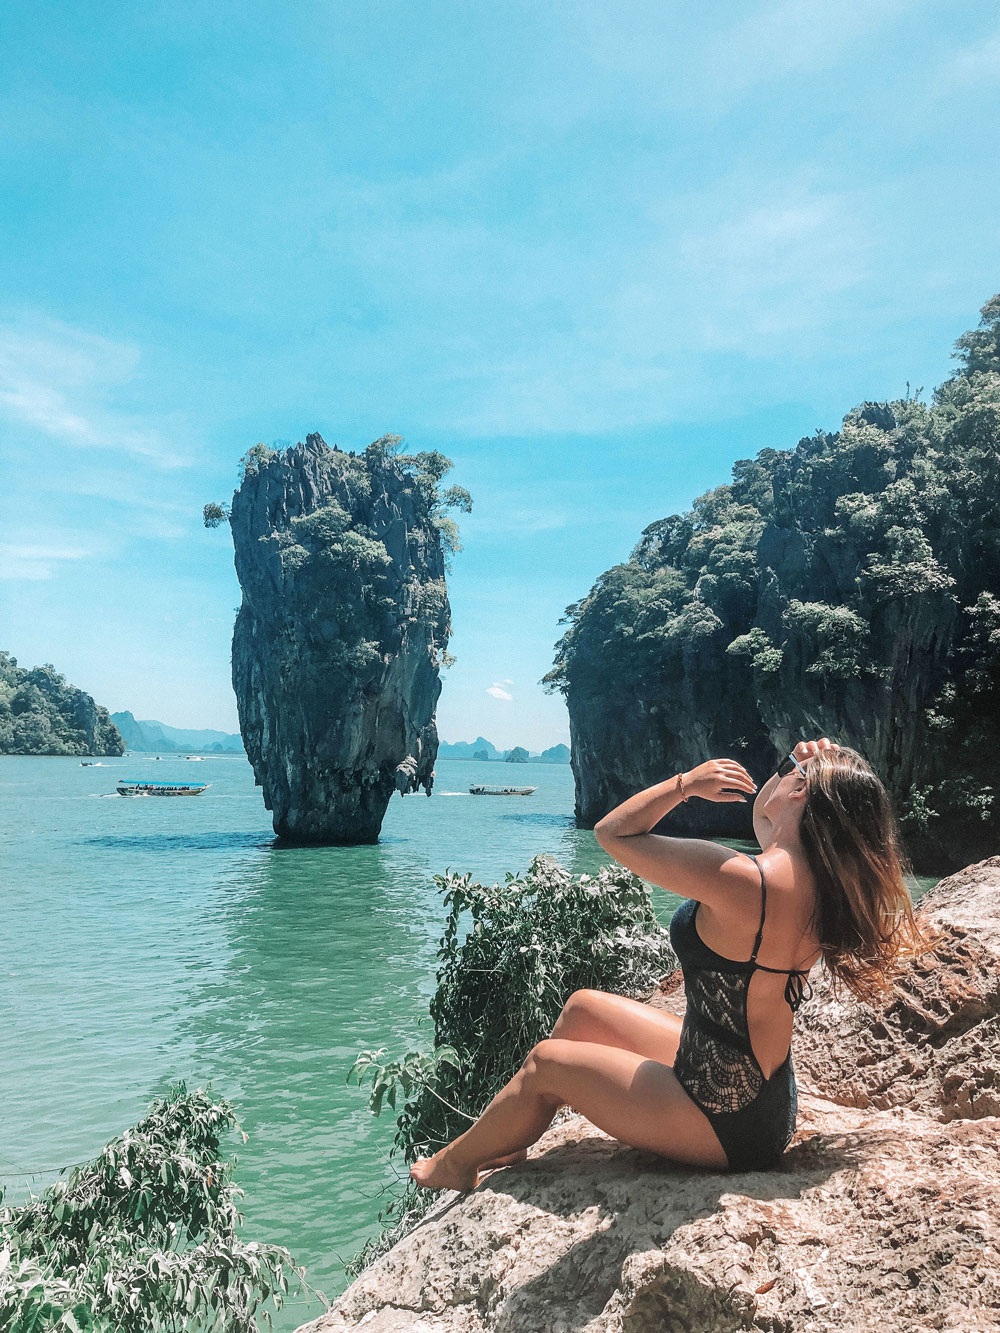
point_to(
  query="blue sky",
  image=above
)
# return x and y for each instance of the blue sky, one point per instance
(594, 253)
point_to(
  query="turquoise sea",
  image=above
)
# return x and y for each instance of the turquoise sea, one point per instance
(147, 941)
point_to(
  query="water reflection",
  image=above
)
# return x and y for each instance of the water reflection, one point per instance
(320, 953)
(326, 951)
(543, 820)
(203, 840)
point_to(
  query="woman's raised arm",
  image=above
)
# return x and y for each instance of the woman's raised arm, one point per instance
(689, 867)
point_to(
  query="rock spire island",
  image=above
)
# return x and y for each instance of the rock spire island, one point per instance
(343, 629)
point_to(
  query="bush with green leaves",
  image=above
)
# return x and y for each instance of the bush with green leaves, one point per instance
(144, 1238)
(510, 957)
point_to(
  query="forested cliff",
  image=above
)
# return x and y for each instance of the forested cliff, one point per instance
(343, 629)
(41, 714)
(849, 587)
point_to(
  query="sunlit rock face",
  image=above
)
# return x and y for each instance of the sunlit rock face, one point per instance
(339, 641)
(765, 618)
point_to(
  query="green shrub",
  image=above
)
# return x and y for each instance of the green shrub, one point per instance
(143, 1238)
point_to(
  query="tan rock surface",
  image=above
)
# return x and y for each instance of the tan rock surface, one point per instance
(881, 1215)
(934, 1044)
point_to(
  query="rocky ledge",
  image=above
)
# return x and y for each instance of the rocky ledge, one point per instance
(883, 1213)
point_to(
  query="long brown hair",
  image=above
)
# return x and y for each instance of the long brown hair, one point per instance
(863, 915)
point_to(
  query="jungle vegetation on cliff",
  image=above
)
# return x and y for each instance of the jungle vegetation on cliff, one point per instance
(41, 714)
(848, 587)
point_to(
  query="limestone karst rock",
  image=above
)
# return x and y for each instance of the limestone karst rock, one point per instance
(41, 714)
(882, 1213)
(849, 587)
(341, 634)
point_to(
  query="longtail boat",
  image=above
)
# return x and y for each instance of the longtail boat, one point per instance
(143, 788)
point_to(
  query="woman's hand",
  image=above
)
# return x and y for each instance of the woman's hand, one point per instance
(719, 780)
(805, 749)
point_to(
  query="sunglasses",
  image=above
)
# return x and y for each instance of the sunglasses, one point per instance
(787, 765)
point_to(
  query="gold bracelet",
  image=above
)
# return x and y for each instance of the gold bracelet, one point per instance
(680, 786)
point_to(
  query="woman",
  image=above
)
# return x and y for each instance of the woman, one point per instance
(718, 1089)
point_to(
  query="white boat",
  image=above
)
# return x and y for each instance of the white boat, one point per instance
(196, 758)
(485, 789)
(127, 788)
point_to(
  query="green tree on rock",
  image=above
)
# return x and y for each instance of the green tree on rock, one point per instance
(41, 714)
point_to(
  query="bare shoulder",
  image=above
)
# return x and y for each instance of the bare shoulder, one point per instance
(788, 875)
(690, 867)
(791, 896)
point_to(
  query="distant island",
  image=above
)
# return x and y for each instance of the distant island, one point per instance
(158, 736)
(41, 714)
(483, 749)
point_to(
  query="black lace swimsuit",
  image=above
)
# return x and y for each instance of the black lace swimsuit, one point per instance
(753, 1116)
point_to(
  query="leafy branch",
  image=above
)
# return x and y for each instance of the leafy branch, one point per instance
(414, 1070)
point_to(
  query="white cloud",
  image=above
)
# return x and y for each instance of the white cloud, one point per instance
(790, 36)
(750, 265)
(769, 269)
(679, 55)
(498, 692)
(62, 380)
(34, 562)
(975, 64)
(522, 520)
(141, 513)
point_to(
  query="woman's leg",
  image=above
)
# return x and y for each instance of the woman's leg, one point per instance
(613, 1020)
(630, 1097)
(610, 1020)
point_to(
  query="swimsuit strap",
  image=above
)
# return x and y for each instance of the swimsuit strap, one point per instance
(797, 978)
(763, 909)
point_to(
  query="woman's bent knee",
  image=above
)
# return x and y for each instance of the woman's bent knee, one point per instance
(581, 1004)
(540, 1070)
(544, 1052)
(543, 1057)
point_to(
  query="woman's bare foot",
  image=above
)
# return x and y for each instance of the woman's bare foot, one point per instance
(509, 1159)
(437, 1173)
